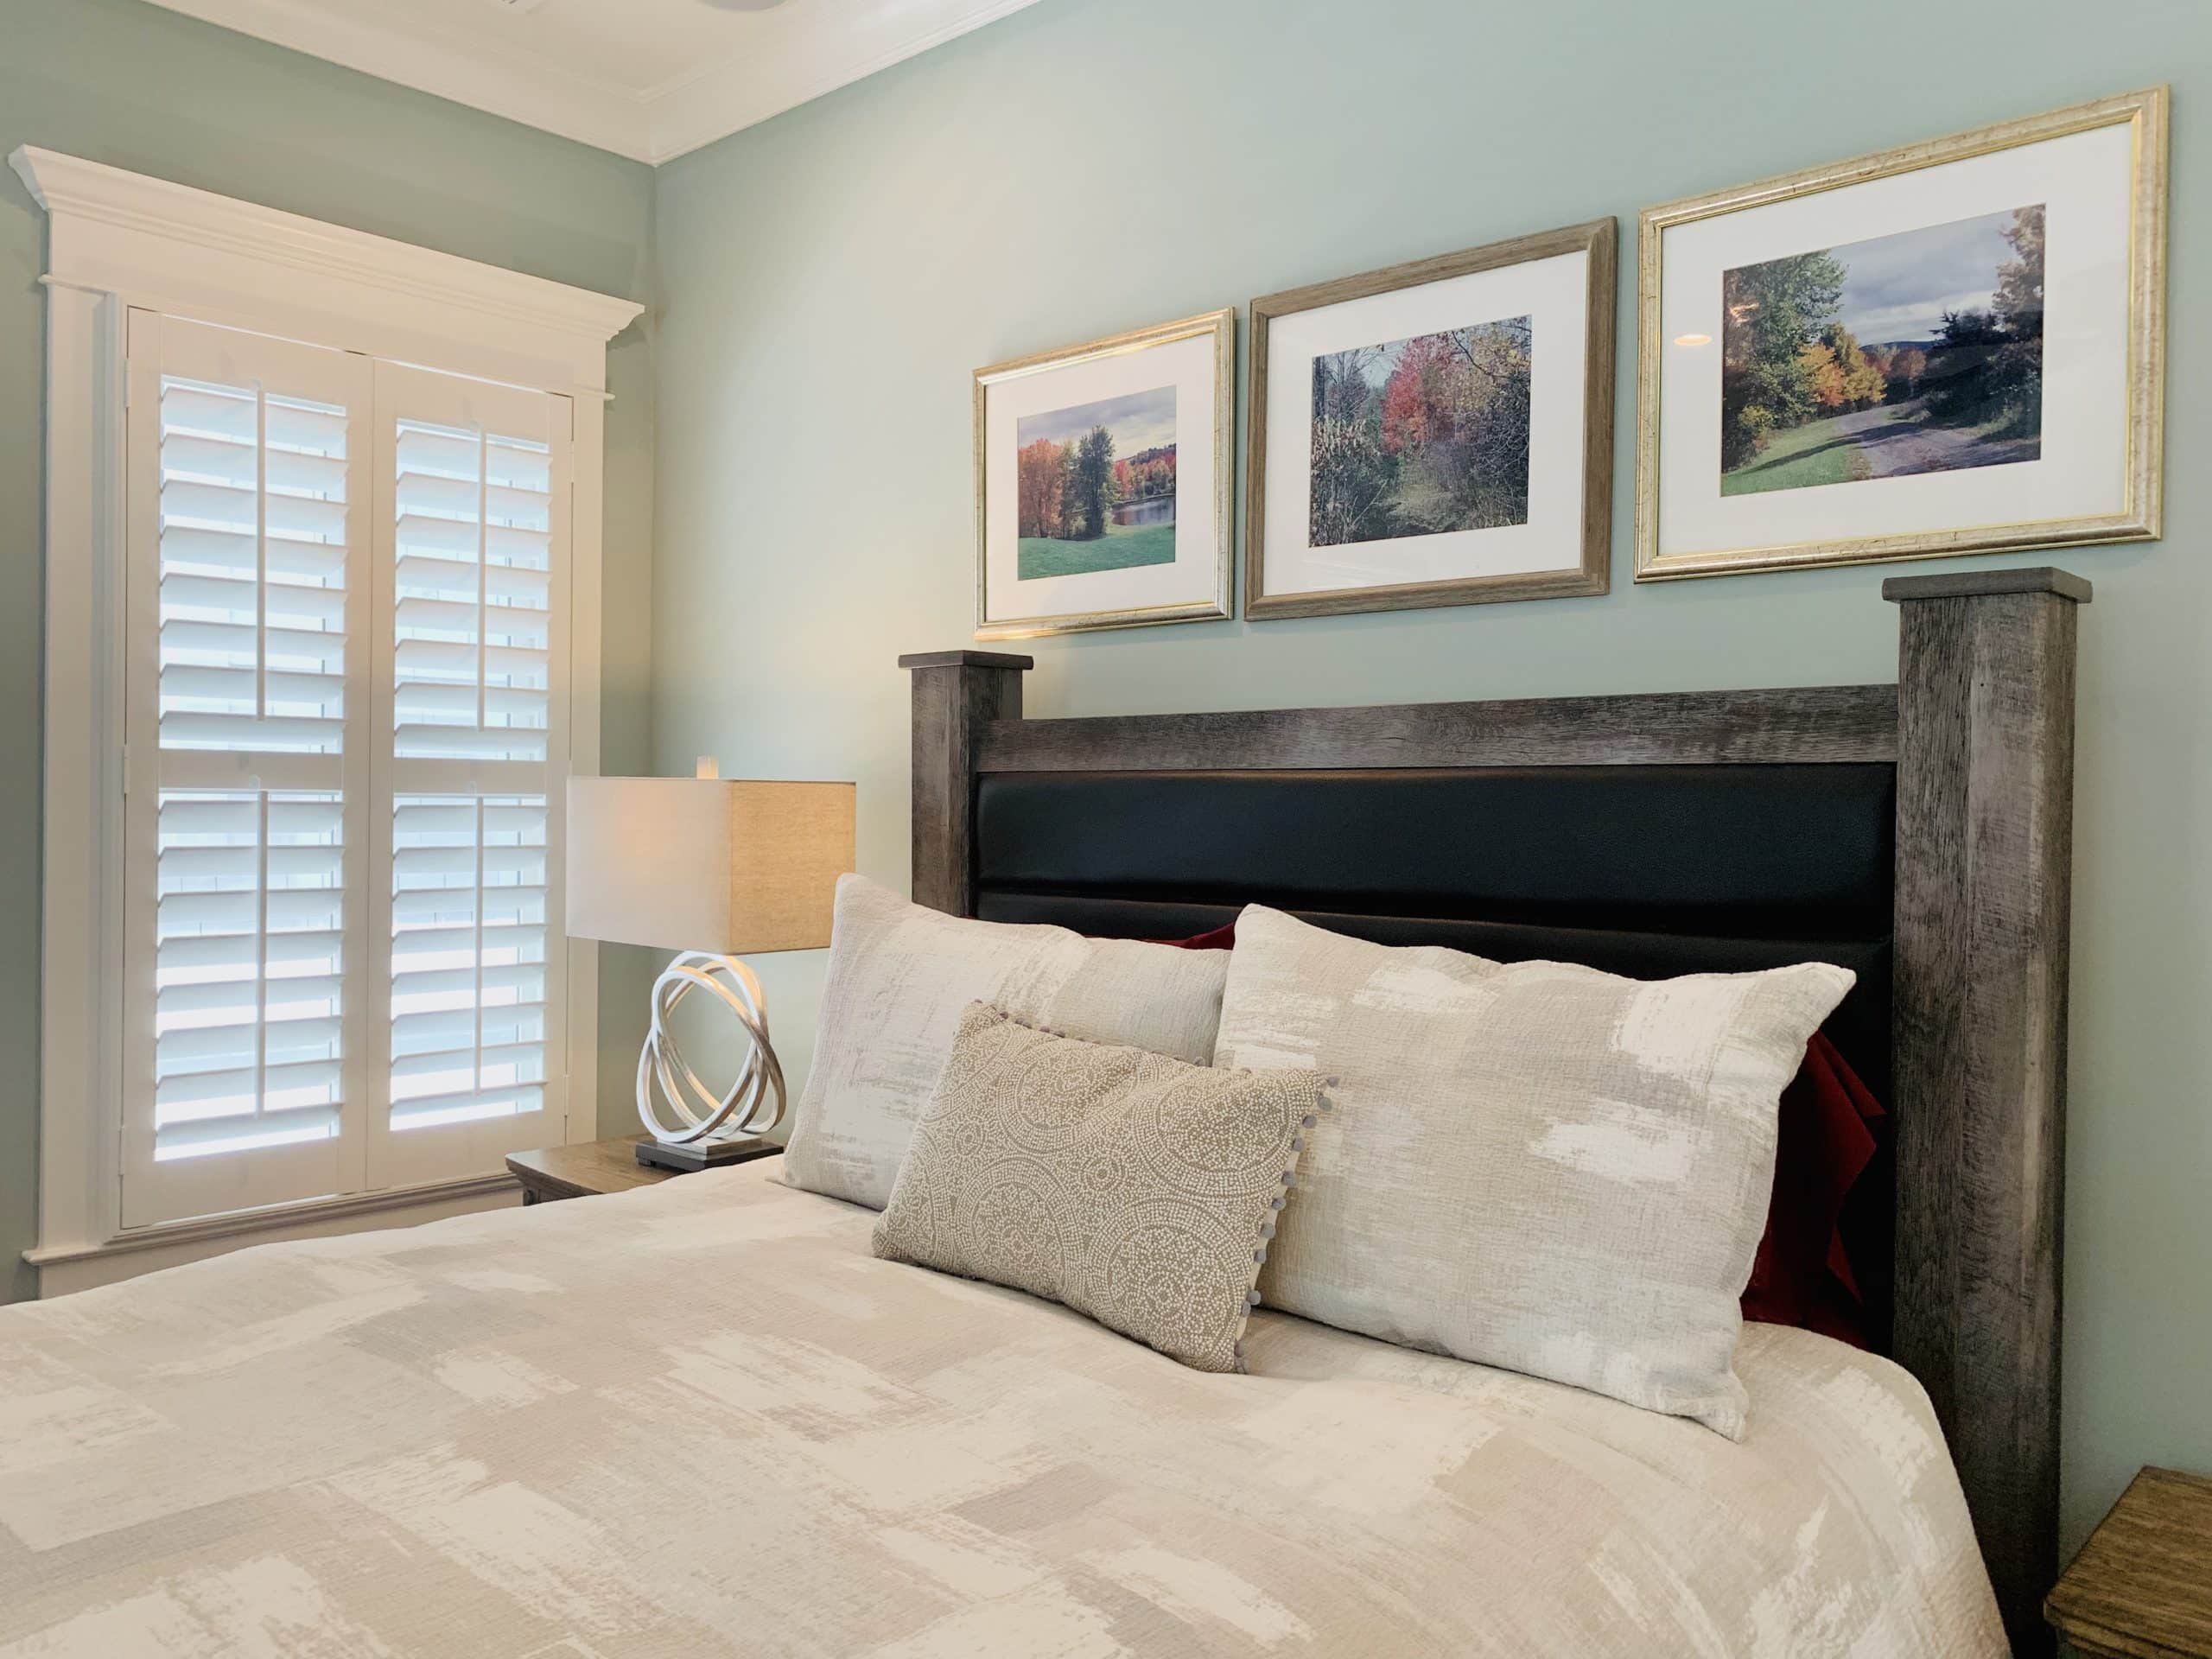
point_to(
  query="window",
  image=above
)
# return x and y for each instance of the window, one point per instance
(322, 567)
(345, 683)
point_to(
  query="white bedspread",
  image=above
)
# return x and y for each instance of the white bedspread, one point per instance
(700, 1418)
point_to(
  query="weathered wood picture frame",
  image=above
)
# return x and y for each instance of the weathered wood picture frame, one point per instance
(1917, 425)
(1463, 544)
(1167, 391)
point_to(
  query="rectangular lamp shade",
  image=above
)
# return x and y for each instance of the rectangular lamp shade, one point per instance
(715, 864)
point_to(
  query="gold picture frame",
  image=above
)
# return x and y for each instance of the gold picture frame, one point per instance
(2139, 517)
(1590, 570)
(1221, 327)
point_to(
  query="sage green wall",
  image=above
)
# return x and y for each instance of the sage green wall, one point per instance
(829, 280)
(143, 88)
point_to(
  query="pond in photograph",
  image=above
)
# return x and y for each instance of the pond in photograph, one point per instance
(1095, 485)
(1148, 509)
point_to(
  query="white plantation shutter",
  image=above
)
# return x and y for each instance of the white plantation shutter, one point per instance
(346, 628)
(472, 502)
(247, 657)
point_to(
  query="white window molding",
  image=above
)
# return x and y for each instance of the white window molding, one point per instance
(117, 240)
(62, 1270)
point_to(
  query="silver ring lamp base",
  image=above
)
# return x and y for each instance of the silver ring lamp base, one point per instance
(753, 1105)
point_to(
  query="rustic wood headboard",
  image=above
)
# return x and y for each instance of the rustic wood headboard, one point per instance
(1975, 744)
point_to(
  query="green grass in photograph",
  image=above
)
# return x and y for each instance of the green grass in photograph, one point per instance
(1121, 547)
(1815, 453)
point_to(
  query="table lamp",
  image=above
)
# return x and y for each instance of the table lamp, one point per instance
(708, 867)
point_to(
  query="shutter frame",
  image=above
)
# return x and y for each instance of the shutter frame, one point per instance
(296, 746)
(435, 772)
(210, 794)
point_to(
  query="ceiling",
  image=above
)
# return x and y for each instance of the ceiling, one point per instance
(645, 79)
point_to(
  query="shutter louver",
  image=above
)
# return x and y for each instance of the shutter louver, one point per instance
(468, 980)
(249, 967)
(253, 567)
(473, 650)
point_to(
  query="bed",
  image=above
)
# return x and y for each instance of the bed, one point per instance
(702, 1417)
(509, 1434)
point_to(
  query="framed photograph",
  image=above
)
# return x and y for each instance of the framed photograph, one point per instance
(1954, 347)
(1101, 482)
(1439, 432)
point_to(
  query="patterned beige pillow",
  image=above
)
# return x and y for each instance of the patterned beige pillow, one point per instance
(1537, 1167)
(1130, 1186)
(901, 976)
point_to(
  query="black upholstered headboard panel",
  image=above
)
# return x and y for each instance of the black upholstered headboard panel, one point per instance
(1649, 871)
(1645, 870)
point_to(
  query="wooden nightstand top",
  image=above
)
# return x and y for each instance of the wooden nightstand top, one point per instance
(579, 1172)
(2141, 1588)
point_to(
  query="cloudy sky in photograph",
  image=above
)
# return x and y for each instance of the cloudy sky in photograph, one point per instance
(1377, 369)
(1898, 287)
(1139, 420)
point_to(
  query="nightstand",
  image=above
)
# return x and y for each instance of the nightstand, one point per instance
(2141, 1588)
(551, 1173)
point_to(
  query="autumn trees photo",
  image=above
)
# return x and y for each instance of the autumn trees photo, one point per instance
(1421, 436)
(1068, 490)
(1095, 485)
(1065, 486)
(1881, 359)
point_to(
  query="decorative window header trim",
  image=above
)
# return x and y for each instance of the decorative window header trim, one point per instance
(158, 242)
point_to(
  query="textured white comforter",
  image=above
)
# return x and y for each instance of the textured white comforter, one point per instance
(700, 1418)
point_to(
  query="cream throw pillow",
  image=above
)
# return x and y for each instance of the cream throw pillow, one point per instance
(1127, 1186)
(1533, 1166)
(900, 976)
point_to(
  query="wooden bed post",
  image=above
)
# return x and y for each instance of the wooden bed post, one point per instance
(1984, 843)
(955, 693)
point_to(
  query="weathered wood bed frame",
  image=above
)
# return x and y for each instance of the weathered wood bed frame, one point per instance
(1979, 728)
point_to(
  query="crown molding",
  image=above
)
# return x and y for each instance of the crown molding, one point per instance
(696, 109)
(525, 89)
(652, 124)
(157, 216)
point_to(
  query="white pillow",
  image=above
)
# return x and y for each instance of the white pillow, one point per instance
(1535, 1165)
(901, 976)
